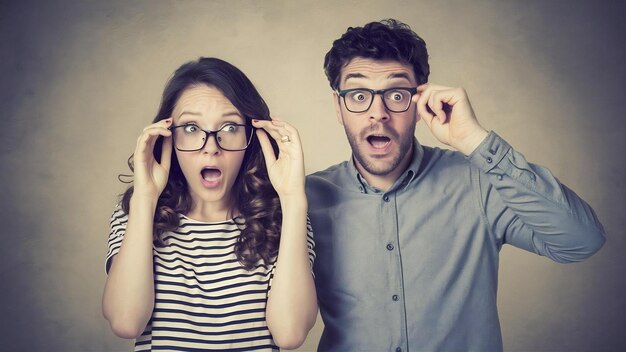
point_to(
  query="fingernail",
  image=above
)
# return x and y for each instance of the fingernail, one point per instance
(255, 120)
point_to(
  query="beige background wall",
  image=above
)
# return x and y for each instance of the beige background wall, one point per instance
(80, 79)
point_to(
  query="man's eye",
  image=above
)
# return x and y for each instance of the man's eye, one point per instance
(396, 96)
(359, 96)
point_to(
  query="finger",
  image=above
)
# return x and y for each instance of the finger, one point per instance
(422, 88)
(147, 140)
(422, 104)
(277, 132)
(161, 123)
(166, 153)
(266, 148)
(161, 127)
(291, 130)
(435, 103)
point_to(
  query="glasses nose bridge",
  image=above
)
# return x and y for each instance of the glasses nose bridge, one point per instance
(380, 92)
(207, 135)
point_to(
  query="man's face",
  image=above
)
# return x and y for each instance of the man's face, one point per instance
(381, 140)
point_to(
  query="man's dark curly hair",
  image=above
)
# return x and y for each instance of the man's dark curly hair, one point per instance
(255, 198)
(385, 40)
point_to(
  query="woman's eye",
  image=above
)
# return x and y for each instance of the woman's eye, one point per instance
(190, 128)
(230, 128)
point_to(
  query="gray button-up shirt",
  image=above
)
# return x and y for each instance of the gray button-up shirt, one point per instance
(415, 268)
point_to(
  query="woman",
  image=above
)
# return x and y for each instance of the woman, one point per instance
(213, 221)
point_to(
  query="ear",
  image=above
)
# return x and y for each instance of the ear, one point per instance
(337, 105)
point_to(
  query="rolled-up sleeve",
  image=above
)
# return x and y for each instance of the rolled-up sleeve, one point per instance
(527, 207)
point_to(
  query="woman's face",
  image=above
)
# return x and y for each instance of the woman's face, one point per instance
(210, 172)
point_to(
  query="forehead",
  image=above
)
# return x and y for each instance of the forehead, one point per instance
(203, 101)
(361, 69)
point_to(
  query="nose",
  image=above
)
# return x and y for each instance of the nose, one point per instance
(211, 147)
(378, 110)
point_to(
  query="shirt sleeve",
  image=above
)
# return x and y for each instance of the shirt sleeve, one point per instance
(527, 207)
(310, 243)
(116, 234)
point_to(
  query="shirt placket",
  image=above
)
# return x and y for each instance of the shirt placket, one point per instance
(395, 293)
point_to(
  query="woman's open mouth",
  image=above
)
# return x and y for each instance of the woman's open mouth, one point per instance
(211, 176)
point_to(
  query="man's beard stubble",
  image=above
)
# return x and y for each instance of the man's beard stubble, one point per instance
(372, 166)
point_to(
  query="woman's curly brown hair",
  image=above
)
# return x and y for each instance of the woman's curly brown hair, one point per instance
(254, 195)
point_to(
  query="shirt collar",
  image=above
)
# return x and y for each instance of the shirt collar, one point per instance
(402, 182)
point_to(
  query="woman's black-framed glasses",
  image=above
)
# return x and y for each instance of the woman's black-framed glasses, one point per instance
(360, 99)
(231, 137)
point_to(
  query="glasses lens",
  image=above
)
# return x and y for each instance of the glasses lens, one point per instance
(234, 137)
(358, 100)
(188, 137)
(397, 100)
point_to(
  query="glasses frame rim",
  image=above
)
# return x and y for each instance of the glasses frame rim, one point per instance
(374, 92)
(208, 133)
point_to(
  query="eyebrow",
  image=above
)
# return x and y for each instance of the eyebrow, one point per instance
(353, 75)
(391, 76)
(194, 113)
(400, 75)
(226, 114)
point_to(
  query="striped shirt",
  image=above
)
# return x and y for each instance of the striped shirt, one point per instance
(204, 299)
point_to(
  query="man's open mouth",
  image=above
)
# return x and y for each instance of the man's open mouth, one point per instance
(378, 141)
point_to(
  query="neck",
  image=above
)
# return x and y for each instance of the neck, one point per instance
(210, 211)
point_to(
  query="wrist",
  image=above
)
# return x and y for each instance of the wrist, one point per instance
(142, 200)
(472, 141)
(294, 201)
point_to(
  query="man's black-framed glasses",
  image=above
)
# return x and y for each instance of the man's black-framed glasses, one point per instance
(360, 99)
(231, 137)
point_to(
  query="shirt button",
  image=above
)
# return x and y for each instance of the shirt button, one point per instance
(361, 188)
(500, 177)
(390, 246)
(395, 297)
(386, 198)
(398, 349)
(489, 160)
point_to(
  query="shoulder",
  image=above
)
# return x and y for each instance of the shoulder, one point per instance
(444, 168)
(436, 154)
(331, 174)
(337, 175)
(437, 159)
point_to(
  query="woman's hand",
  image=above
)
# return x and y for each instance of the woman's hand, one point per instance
(287, 171)
(150, 176)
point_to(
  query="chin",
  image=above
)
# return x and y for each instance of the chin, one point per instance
(209, 195)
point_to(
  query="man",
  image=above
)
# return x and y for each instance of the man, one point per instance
(408, 236)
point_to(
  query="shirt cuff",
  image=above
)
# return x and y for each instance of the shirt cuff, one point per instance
(489, 152)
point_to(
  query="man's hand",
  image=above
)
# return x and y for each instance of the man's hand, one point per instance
(449, 116)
